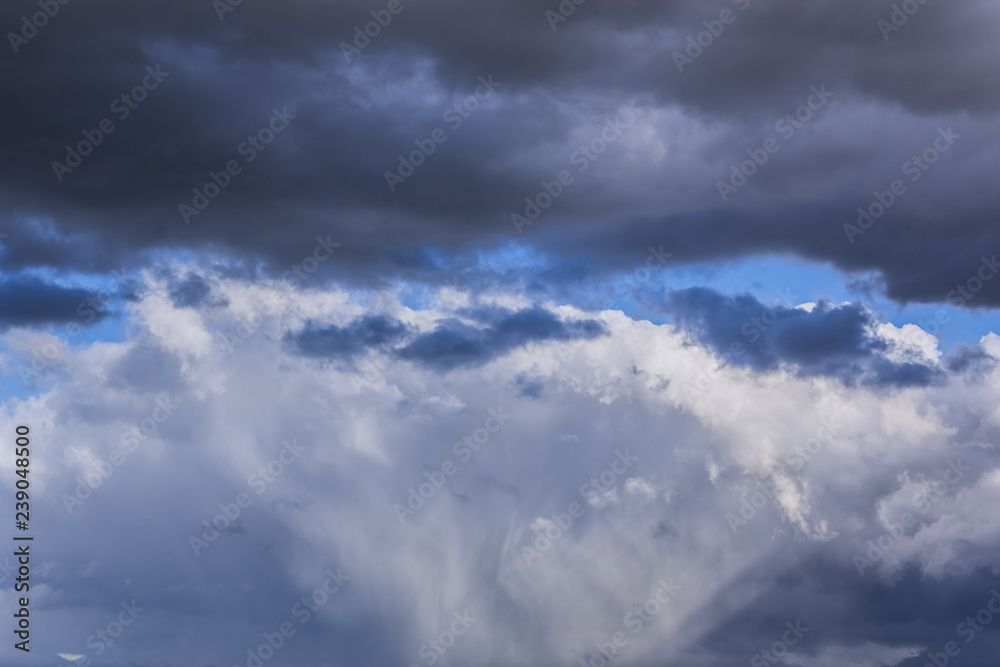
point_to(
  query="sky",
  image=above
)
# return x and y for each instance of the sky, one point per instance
(502, 333)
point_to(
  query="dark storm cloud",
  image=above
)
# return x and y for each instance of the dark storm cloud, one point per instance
(830, 340)
(905, 374)
(456, 344)
(837, 607)
(221, 81)
(344, 342)
(192, 292)
(25, 300)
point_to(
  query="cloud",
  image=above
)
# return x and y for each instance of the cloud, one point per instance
(26, 300)
(560, 460)
(456, 344)
(970, 358)
(191, 292)
(868, 655)
(344, 342)
(836, 462)
(841, 341)
(558, 88)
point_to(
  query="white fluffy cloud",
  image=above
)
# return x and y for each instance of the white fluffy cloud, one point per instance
(549, 514)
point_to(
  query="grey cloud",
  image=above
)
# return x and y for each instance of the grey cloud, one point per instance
(191, 292)
(27, 300)
(325, 173)
(830, 340)
(366, 446)
(344, 342)
(454, 344)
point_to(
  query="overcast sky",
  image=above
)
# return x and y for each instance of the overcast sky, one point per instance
(504, 332)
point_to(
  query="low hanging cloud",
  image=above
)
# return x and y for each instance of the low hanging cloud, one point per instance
(26, 301)
(358, 336)
(842, 341)
(456, 344)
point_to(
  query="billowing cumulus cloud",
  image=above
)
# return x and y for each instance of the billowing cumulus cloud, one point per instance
(698, 507)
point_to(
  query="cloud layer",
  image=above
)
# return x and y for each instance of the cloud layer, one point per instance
(645, 466)
(264, 123)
